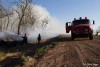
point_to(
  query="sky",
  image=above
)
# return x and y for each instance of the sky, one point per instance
(67, 10)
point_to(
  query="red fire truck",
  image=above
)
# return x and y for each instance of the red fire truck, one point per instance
(80, 28)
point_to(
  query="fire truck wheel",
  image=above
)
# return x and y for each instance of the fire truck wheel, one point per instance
(91, 36)
(72, 36)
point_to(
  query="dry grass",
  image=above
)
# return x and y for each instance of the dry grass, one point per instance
(55, 52)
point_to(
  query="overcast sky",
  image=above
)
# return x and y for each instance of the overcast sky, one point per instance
(66, 10)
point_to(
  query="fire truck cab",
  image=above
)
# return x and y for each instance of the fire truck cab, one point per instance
(80, 28)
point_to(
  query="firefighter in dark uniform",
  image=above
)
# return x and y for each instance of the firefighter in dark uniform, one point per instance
(39, 38)
(25, 39)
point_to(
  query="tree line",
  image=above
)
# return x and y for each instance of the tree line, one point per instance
(19, 18)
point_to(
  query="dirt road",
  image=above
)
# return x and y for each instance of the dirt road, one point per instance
(78, 53)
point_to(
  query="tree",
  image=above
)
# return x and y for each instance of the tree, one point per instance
(4, 17)
(1, 15)
(27, 17)
(45, 21)
(22, 6)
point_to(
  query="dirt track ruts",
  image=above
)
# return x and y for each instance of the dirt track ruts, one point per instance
(79, 53)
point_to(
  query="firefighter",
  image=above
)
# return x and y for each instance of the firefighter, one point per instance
(25, 39)
(39, 38)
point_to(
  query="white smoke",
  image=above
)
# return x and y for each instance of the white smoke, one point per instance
(54, 26)
(9, 36)
(97, 30)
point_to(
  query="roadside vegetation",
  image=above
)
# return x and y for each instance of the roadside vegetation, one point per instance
(24, 54)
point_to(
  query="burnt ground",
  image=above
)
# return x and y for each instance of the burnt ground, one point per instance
(81, 52)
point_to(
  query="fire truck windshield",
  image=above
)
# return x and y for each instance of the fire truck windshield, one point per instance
(77, 22)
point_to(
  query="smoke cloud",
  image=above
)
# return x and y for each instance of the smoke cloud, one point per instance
(53, 28)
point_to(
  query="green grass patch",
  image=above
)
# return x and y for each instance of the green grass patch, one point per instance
(41, 51)
(24, 58)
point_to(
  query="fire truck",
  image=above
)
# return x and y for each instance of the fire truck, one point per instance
(80, 28)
